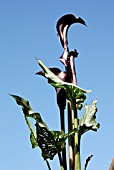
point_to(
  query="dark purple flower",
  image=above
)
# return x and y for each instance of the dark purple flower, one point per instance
(61, 93)
(62, 27)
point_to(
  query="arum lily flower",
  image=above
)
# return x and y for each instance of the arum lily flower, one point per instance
(62, 29)
(63, 24)
(61, 93)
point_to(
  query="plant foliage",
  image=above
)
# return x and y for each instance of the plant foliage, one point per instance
(50, 142)
(88, 120)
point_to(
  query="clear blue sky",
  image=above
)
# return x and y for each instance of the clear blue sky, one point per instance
(27, 30)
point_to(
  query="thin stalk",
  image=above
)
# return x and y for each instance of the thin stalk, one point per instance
(48, 165)
(77, 161)
(70, 65)
(70, 138)
(63, 132)
(30, 126)
(59, 155)
(61, 102)
(73, 79)
(60, 161)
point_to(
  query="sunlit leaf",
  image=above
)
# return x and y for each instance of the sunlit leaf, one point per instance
(61, 93)
(50, 142)
(46, 142)
(60, 74)
(72, 91)
(45, 138)
(60, 138)
(38, 119)
(24, 104)
(88, 120)
(33, 140)
(27, 110)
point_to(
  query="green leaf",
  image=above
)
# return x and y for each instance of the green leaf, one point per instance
(50, 142)
(58, 135)
(38, 119)
(88, 120)
(72, 91)
(24, 104)
(60, 138)
(33, 140)
(46, 142)
(27, 110)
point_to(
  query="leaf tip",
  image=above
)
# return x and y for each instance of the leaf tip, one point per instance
(89, 91)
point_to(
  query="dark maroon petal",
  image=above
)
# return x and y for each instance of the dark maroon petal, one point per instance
(64, 56)
(54, 70)
(41, 73)
(71, 66)
(63, 24)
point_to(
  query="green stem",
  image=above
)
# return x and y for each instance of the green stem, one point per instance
(30, 126)
(60, 161)
(70, 138)
(63, 132)
(59, 155)
(77, 161)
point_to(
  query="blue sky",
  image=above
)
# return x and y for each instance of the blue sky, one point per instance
(28, 30)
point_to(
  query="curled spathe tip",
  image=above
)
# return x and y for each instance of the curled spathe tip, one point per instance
(63, 24)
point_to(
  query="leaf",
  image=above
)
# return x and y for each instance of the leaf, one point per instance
(50, 142)
(60, 138)
(46, 142)
(63, 24)
(87, 161)
(33, 140)
(24, 104)
(88, 120)
(38, 119)
(72, 91)
(27, 110)
(60, 74)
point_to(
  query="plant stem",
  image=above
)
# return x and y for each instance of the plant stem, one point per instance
(60, 161)
(63, 132)
(48, 165)
(70, 138)
(30, 126)
(77, 162)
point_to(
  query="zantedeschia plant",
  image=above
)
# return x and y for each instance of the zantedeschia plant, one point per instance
(70, 94)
